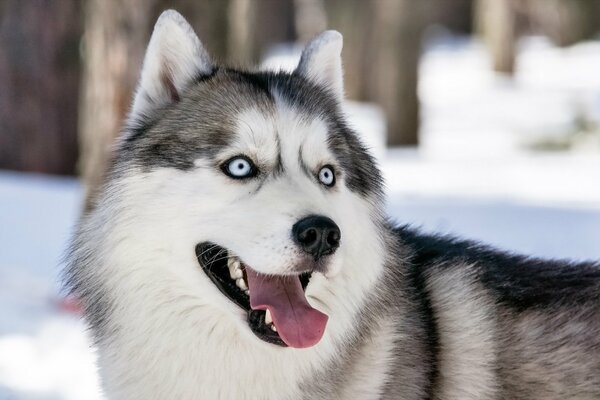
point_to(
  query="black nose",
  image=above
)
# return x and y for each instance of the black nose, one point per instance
(317, 235)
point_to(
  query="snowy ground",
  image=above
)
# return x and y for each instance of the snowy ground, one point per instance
(473, 176)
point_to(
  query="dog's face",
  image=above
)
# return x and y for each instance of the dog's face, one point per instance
(252, 180)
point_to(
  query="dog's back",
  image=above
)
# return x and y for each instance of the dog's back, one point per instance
(506, 326)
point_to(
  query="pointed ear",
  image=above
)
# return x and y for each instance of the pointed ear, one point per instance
(321, 62)
(174, 58)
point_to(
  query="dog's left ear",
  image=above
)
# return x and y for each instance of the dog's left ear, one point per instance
(174, 58)
(321, 62)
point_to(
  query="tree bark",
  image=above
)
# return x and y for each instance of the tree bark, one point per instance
(397, 40)
(355, 19)
(256, 25)
(565, 22)
(39, 81)
(310, 19)
(116, 34)
(496, 22)
(209, 18)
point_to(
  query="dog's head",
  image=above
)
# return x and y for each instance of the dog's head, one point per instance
(249, 183)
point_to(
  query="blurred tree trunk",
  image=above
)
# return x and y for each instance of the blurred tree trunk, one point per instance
(565, 22)
(397, 37)
(115, 38)
(382, 48)
(39, 80)
(455, 15)
(355, 19)
(256, 25)
(496, 22)
(310, 19)
(209, 18)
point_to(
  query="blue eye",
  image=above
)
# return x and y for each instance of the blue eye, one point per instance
(239, 167)
(326, 176)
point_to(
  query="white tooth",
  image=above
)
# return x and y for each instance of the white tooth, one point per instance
(237, 273)
(268, 319)
(241, 284)
(273, 328)
(231, 261)
(247, 292)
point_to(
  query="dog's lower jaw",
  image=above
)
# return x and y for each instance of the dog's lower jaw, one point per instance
(163, 342)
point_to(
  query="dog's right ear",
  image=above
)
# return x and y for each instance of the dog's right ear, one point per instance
(174, 58)
(321, 62)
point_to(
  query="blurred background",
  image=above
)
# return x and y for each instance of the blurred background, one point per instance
(484, 116)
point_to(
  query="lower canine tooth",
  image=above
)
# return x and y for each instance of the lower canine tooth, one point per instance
(268, 318)
(273, 328)
(241, 284)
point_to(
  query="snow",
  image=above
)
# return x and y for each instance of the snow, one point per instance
(474, 175)
(44, 352)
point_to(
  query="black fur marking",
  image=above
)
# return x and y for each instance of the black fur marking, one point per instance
(303, 165)
(429, 324)
(515, 281)
(138, 129)
(279, 168)
(362, 175)
(201, 78)
(259, 80)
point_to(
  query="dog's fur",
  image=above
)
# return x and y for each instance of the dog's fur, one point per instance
(411, 316)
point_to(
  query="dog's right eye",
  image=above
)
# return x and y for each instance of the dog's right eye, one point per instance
(239, 167)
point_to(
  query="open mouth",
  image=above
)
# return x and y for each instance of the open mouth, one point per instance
(278, 312)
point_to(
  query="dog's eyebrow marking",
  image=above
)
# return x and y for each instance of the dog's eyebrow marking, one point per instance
(303, 165)
(278, 168)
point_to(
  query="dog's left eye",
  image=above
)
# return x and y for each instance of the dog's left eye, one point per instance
(239, 167)
(326, 176)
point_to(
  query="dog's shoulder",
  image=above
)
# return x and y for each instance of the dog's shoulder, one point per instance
(517, 281)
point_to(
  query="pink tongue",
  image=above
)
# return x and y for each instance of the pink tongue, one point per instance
(298, 324)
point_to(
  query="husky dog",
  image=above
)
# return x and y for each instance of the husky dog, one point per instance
(239, 250)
